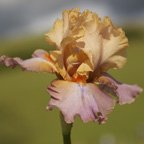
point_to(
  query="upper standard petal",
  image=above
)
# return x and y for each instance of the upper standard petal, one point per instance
(114, 46)
(55, 35)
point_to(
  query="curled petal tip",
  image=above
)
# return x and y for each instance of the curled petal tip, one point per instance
(10, 62)
(128, 93)
(125, 93)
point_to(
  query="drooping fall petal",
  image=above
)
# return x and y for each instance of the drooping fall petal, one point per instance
(33, 64)
(126, 93)
(85, 100)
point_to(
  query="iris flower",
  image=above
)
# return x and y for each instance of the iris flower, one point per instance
(87, 47)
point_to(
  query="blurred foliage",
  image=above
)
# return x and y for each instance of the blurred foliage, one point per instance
(23, 98)
(135, 33)
(23, 47)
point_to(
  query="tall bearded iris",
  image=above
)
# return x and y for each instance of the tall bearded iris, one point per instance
(87, 47)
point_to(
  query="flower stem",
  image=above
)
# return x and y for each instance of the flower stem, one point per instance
(66, 130)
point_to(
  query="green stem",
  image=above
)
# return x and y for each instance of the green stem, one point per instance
(66, 130)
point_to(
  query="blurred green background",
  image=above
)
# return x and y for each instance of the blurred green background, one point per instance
(23, 95)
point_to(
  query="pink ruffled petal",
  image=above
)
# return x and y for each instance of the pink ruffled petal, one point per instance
(85, 100)
(126, 93)
(33, 64)
(38, 65)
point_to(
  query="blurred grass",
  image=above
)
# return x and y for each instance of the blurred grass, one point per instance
(23, 47)
(23, 98)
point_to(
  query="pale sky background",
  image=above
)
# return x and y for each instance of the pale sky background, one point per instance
(23, 17)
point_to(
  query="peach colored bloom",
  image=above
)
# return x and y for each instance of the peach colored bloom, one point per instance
(87, 47)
